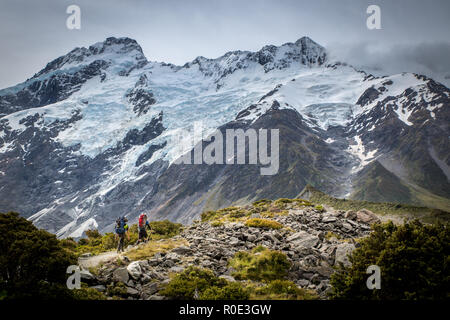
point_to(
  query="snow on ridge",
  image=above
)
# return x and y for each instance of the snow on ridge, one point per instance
(358, 150)
(325, 96)
(76, 231)
(403, 114)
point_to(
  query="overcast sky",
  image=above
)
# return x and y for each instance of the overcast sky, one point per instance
(415, 35)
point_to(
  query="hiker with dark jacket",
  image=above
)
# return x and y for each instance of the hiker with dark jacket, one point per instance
(121, 231)
(142, 225)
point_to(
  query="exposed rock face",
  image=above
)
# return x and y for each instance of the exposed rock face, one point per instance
(120, 275)
(304, 239)
(367, 216)
(342, 252)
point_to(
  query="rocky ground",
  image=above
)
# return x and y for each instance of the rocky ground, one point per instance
(313, 241)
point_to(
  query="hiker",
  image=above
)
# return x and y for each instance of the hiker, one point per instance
(121, 231)
(143, 224)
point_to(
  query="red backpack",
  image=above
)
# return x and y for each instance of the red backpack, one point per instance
(141, 220)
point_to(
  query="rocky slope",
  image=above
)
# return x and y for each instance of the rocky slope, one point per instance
(313, 241)
(95, 134)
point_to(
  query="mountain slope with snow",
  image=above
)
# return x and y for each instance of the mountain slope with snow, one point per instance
(95, 134)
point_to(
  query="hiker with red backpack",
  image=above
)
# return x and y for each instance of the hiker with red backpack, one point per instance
(143, 224)
(121, 231)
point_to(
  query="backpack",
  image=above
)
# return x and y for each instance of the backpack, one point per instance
(141, 221)
(120, 225)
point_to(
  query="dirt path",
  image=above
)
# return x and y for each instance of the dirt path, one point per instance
(94, 261)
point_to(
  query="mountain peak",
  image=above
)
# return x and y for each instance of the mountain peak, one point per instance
(107, 50)
(116, 45)
(304, 52)
(306, 41)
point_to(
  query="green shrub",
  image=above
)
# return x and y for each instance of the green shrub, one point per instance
(260, 264)
(263, 223)
(192, 279)
(237, 214)
(208, 215)
(413, 259)
(282, 290)
(231, 291)
(282, 202)
(117, 289)
(83, 242)
(109, 241)
(262, 202)
(319, 208)
(69, 244)
(216, 224)
(330, 234)
(93, 234)
(134, 235)
(33, 262)
(166, 228)
(85, 293)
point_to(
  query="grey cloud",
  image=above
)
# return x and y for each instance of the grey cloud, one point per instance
(428, 58)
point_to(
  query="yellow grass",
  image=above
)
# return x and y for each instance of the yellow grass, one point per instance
(147, 250)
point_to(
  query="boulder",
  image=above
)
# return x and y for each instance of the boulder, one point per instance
(342, 252)
(315, 279)
(366, 216)
(168, 263)
(233, 241)
(154, 261)
(251, 237)
(121, 275)
(149, 289)
(329, 218)
(323, 285)
(350, 215)
(144, 264)
(183, 250)
(297, 235)
(303, 239)
(270, 237)
(132, 292)
(347, 226)
(303, 283)
(173, 256)
(100, 288)
(86, 275)
(323, 269)
(134, 270)
(227, 277)
(176, 269)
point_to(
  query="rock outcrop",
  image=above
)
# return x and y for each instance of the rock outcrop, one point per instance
(313, 241)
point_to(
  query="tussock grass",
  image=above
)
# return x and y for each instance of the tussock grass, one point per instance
(261, 264)
(263, 223)
(147, 250)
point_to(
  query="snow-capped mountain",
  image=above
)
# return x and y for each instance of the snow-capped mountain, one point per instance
(95, 134)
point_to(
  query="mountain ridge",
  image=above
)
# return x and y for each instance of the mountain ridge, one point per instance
(335, 120)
